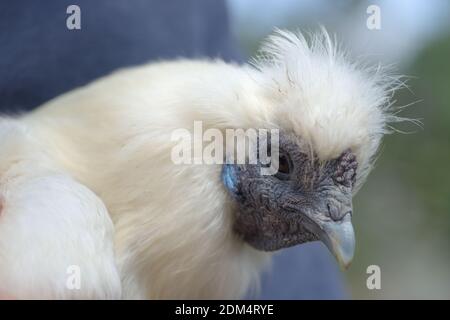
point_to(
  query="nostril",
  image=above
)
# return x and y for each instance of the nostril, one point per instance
(337, 212)
(333, 211)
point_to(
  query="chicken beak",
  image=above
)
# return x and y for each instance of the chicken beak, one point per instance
(339, 237)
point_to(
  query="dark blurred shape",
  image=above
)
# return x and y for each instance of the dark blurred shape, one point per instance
(41, 58)
(303, 272)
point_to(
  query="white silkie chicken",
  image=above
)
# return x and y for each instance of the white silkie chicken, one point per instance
(87, 182)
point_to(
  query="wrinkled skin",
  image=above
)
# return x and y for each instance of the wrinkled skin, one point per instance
(305, 200)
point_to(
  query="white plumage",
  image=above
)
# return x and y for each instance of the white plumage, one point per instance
(87, 178)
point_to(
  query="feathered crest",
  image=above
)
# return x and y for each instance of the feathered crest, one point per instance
(331, 101)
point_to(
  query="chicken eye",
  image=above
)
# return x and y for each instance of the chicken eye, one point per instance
(284, 167)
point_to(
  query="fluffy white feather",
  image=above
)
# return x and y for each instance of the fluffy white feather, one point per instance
(111, 140)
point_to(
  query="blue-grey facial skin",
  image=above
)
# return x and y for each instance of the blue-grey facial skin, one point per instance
(306, 200)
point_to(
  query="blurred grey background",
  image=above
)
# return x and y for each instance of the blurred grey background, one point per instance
(402, 214)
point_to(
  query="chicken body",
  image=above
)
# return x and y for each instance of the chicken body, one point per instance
(102, 153)
(88, 185)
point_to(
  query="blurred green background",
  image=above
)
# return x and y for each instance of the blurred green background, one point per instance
(402, 214)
